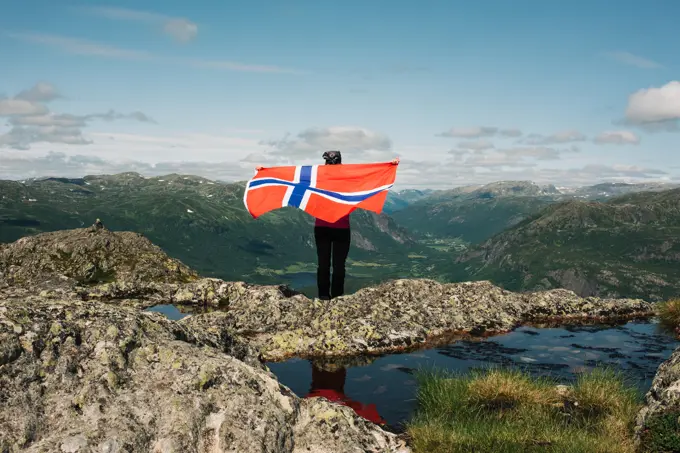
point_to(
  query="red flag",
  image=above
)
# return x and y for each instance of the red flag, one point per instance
(327, 192)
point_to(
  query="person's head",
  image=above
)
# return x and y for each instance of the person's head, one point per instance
(332, 157)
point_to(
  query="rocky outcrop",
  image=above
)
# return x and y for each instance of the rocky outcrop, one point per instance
(658, 423)
(393, 316)
(82, 376)
(397, 315)
(88, 256)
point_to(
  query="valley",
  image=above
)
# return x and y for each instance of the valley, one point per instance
(609, 239)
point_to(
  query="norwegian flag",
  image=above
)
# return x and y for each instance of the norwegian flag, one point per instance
(327, 192)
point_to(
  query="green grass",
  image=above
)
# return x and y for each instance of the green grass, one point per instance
(505, 411)
(669, 314)
(661, 433)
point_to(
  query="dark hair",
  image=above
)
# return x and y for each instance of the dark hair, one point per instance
(332, 157)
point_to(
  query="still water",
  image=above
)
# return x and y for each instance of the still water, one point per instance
(384, 389)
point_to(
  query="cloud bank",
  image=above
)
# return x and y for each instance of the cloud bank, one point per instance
(31, 121)
(480, 131)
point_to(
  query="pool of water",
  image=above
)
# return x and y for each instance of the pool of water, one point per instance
(387, 384)
(383, 388)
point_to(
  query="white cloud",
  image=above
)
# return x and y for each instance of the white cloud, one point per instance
(77, 46)
(31, 122)
(470, 132)
(49, 119)
(513, 157)
(511, 132)
(633, 60)
(476, 145)
(173, 147)
(19, 107)
(58, 164)
(479, 131)
(565, 136)
(506, 158)
(442, 173)
(363, 143)
(496, 160)
(540, 153)
(40, 92)
(617, 138)
(23, 137)
(655, 108)
(179, 28)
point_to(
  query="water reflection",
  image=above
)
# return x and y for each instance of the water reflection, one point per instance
(330, 384)
(635, 348)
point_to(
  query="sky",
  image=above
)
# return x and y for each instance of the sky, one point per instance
(567, 93)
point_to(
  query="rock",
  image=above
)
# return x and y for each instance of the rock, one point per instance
(89, 255)
(658, 422)
(86, 376)
(397, 315)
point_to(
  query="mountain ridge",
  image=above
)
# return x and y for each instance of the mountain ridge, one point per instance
(629, 243)
(205, 223)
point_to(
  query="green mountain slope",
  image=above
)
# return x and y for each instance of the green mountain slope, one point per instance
(475, 213)
(205, 225)
(397, 200)
(608, 190)
(628, 246)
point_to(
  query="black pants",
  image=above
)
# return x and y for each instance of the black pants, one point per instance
(332, 246)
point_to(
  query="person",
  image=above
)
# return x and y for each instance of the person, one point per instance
(332, 247)
(333, 241)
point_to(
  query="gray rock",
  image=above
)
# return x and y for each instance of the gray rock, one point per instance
(88, 255)
(396, 315)
(82, 376)
(662, 399)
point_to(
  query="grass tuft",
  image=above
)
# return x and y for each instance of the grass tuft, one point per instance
(500, 389)
(669, 314)
(508, 411)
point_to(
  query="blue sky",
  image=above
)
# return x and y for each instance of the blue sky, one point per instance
(213, 88)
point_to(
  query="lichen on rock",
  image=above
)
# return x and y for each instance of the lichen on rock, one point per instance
(84, 376)
(658, 422)
(399, 315)
(89, 255)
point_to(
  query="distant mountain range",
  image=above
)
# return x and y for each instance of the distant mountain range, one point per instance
(205, 224)
(610, 239)
(627, 246)
(475, 213)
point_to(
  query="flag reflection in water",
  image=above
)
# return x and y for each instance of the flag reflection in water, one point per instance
(331, 385)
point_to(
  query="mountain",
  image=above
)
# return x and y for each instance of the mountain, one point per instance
(475, 213)
(611, 189)
(397, 200)
(629, 245)
(205, 224)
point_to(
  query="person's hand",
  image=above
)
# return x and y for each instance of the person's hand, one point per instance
(259, 167)
(395, 161)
